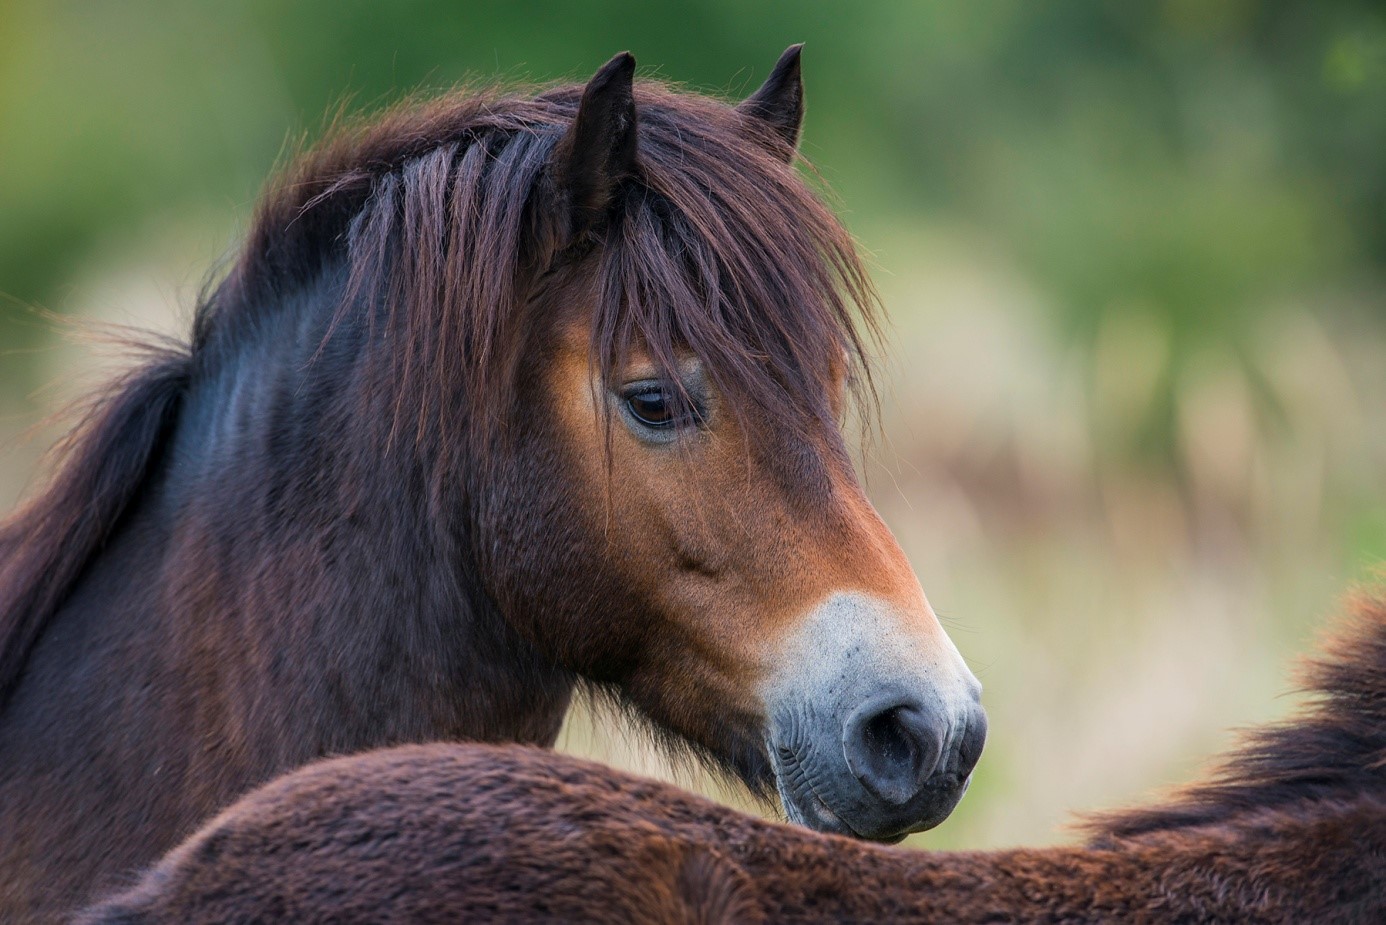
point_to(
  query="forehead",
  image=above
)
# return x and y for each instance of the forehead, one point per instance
(573, 345)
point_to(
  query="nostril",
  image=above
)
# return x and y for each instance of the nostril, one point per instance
(893, 750)
(885, 734)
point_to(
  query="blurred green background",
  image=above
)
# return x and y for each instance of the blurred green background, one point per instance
(1133, 255)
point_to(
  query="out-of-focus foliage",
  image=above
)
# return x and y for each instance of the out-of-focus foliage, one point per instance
(1133, 252)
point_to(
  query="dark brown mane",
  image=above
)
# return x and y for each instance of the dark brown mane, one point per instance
(433, 214)
(106, 458)
(716, 246)
(1334, 750)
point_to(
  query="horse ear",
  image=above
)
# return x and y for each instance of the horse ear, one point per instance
(779, 103)
(598, 150)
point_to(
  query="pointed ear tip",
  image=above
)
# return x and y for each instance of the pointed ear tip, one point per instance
(618, 72)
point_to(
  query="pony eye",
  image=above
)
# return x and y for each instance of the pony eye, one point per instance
(651, 407)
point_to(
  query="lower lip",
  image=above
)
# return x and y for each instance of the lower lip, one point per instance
(825, 820)
(822, 818)
(827, 816)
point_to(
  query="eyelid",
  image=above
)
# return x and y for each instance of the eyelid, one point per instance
(687, 407)
(643, 386)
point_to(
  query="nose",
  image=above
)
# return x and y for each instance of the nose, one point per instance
(895, 745)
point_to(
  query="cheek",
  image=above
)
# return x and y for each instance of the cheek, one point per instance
(666, 533)
(710, 556)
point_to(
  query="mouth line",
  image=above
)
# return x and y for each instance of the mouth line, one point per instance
(796, 789)
(805, 806)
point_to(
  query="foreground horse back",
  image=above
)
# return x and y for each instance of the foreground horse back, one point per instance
(1291, 829)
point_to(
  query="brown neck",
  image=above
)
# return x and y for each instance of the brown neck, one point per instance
(273, 595)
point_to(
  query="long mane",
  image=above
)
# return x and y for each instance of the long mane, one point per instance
(1334, 750)
(106, 459)
(716, 246)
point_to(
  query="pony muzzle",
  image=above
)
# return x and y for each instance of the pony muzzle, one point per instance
(874, 721)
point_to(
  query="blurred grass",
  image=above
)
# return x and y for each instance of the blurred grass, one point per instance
(1133, 434)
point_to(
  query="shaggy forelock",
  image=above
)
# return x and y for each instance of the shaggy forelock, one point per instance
(715, 246)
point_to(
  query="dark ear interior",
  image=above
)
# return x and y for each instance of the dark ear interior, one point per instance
(598, 151)
(779, 103)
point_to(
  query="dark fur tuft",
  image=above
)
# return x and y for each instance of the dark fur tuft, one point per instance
(1334, 751)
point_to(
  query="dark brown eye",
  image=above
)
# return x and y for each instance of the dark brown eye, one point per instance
(651, 407)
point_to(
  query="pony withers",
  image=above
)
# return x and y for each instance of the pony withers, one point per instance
(1292, 829)
(505, 393)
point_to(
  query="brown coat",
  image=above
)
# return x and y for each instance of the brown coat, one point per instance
(1292, 829)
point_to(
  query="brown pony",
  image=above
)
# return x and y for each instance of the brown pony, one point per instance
(505, 393)
(1291, 829)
